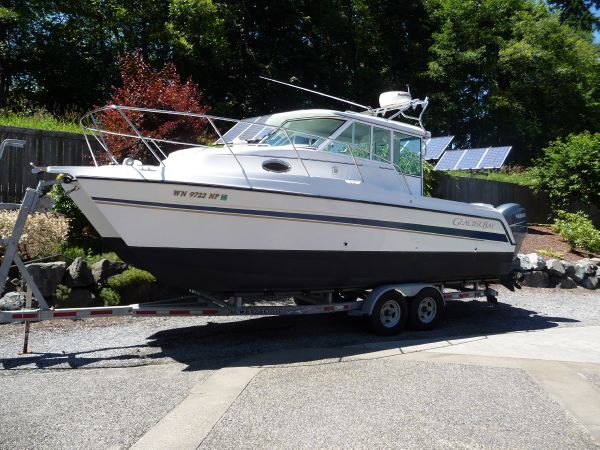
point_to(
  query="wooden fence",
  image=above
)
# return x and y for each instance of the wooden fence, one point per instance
(474, 190)
(43, 148)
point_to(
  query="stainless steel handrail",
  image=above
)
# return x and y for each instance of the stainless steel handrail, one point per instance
(150, 142)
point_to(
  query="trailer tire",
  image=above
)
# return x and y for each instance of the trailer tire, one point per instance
(390, 314)
(425, 309)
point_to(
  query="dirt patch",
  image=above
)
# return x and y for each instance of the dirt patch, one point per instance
(543, 238)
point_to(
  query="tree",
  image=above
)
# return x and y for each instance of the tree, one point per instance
(146, 87)
(569, 171)
(508, 72)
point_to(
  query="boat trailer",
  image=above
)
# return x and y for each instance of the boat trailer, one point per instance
(388, 308)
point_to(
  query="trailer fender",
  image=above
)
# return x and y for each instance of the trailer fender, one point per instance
(406, 289)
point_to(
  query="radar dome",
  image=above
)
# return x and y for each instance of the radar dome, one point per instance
(395, 99)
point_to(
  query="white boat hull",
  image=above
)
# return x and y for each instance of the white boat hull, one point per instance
(224, 239)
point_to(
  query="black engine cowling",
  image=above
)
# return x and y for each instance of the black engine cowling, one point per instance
(517, 221)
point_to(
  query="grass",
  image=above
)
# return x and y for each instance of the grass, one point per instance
(40, 121)
(521, 177)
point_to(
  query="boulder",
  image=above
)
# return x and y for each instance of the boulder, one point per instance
(536, 279)
(567, 283)
(105, 268)
(595, 261)
(47, 275)
(579, 273)
(79, 298)
(12, 301)
(555, 267)
(531, 261)
(78, 274)
(588, 265)
(590, 283)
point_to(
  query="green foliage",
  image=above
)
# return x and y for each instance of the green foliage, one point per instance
(431, 179)
(134, 286)
(508, 72)
(81, 231)
(550, 253)
(130, 277)
(519, 72)
(72, 252)
(40, 121)
(577, 229)
(110, 297)
(569, 170)
(62, 293)
(509, 175)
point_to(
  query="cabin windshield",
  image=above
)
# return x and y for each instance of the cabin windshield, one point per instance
(311, 132)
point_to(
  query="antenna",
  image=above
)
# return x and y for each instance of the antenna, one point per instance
(318, 93)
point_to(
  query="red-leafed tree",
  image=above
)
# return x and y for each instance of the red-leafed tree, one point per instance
(146, 87)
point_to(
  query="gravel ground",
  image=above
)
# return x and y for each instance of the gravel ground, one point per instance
(104, 382)
(392, 404)
(209, 343)
(92, 409)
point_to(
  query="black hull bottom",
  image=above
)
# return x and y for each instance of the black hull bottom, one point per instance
(245, 271)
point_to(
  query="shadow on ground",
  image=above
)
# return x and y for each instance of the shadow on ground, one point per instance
(216, 344)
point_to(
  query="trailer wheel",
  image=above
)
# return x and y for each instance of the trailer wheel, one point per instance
(425, 309)
(389, 315)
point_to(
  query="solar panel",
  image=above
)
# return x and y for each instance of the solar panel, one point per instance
(495, 157)
(449, 159)
(250, 129)
(434, 147)
(473, 158)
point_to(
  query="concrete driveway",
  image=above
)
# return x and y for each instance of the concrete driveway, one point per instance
(527, 375)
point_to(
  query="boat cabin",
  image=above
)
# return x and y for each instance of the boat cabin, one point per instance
(347, 134)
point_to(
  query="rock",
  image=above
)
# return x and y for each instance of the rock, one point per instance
(531, 261)
(78, 274)
(579, 273)
(47, 275)
(536, 279)
(569, 267)
(590, 283)
(555, 267)
(567, 283)
(12, 301)
(588, 265)
(595, 261)
(78, 298)
(105, 268)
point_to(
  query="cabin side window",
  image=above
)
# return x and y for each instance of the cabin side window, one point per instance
(356, 138)
(310, 132)
(407, 154)
(381, 148)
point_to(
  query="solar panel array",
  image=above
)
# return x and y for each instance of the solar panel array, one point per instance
(473, 158)
(251, 129)
(434, 147)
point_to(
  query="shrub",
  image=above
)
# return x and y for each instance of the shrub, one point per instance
(90, 257)
(130, 277)
(146, 87)
(62, 293)
(570, 170)
(578, 230)
(431, 179)
(133, 286)
(110, 297)
(43, 235)
(80, 228)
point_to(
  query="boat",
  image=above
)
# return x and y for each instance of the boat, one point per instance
(298, 201)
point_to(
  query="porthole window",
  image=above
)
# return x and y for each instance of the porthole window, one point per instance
(276, 165)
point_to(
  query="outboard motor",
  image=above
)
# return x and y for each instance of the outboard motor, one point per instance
(517, 221)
